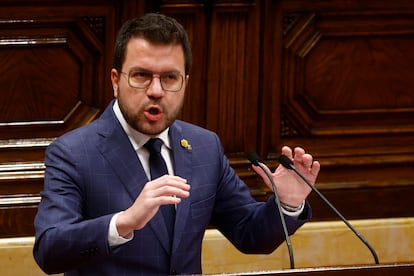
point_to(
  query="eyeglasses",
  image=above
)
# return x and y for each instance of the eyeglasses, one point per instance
(170, 81)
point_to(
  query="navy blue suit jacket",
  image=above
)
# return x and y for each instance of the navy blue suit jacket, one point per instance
(93, 172)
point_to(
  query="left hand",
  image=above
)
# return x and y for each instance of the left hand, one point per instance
(292, 190)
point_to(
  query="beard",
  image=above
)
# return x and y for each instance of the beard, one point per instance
(134, 115)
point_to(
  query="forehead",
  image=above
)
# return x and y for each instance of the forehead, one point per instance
(155, 57)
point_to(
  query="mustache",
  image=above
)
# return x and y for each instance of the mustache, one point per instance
(154, 106)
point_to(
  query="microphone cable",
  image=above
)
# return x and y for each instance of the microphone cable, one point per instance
(254, 159)
(288, 164)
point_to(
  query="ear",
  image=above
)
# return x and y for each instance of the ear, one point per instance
(115, 81)
(187, 77)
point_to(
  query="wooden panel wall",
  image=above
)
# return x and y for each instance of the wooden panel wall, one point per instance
(346, 94)
(223, 92)
(54, 73)
(335, 77)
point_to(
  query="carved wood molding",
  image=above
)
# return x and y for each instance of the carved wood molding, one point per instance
(327, 93)
(97, 25)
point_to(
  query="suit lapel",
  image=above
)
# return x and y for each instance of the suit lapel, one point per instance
(118, 151)
(182, 157)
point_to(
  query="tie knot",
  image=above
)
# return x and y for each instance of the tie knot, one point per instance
(154, 145)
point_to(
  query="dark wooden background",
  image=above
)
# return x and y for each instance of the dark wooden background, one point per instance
(335, 77)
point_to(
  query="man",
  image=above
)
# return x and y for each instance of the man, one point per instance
(100, 212)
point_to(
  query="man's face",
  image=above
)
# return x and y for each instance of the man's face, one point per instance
(149, 110)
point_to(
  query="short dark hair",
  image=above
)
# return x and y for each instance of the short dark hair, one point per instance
(155, 28)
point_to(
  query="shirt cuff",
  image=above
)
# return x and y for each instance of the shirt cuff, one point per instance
(294, 214)
(114, 239)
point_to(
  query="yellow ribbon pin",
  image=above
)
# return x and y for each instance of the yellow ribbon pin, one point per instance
(185, 144)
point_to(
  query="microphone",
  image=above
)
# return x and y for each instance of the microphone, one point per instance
(255, 160)
(288, 164)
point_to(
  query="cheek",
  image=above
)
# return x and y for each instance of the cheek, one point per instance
(120, 91)
(132, 101)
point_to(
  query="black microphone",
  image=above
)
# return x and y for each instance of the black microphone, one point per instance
(287, 163)
(255, 160)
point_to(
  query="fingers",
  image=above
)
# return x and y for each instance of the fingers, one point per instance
(306, 159)
(315, 167)
(168, 189)
(300, 157)
(170, 181)
(287, 151)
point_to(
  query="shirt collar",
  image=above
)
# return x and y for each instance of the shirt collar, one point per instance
(137, 138)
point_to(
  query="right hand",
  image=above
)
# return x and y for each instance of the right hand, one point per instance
(164, 190)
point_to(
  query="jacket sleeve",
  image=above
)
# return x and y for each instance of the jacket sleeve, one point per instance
(64, 237)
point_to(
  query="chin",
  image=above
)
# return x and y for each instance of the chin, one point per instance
(152, 129)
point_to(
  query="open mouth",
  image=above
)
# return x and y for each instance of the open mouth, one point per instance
(153, 113)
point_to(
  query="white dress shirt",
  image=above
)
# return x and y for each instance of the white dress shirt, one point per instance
(138, 141)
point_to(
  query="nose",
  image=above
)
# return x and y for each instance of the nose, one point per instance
(155, 89)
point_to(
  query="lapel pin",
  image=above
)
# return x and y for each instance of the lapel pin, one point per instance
(185, 144)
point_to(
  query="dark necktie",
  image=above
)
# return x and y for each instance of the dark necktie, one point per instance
(159, 168)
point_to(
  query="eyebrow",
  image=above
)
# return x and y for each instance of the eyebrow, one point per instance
(149, 71)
